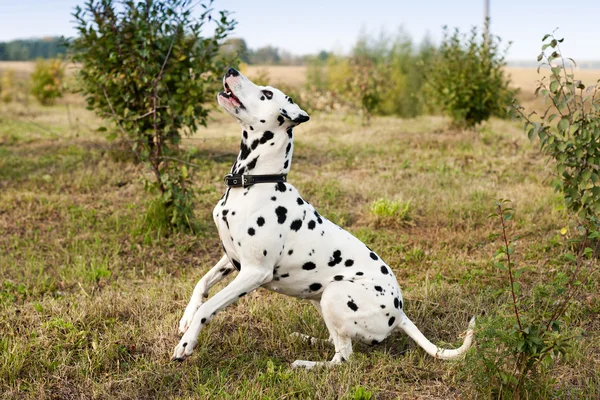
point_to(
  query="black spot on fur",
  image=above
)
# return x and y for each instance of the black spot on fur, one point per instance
(285, 275)
(290, 252)
(311, 224)
(299, 201)
(352, 305)
(251, 128)
(338, 277)
(262, 120)
(379, 288)
(268, 135)
(260, 221)
(203, 320)
(397, 303)
(252, 163)
(359, 273)
(251, 231)
(244, 151)
(262, 98)
(281, 214)
(286, 164)
(382, 306)
(309, 266)
(391, 321)
(349, 262)
(315, 286)
(319, 220)
(384, 270)
(374, 256)
(255, 144)
(290, 100)
(280, 187)
(288, 148)
(245, 135)
(335, 259)
(236, 264)
(296, 225)
(281, 120)
(274, 198)
(290, 132)
(264, 253)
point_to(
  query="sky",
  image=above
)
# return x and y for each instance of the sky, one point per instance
(308, 26)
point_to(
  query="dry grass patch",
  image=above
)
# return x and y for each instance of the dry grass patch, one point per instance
(89, 302)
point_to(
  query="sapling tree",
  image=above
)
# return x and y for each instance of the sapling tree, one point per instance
(146, 67)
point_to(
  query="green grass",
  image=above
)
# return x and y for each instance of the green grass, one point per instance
(91, 296)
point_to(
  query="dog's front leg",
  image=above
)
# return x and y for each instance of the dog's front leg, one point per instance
(249, 279)
(215, 275)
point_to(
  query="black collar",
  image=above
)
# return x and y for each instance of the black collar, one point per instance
(249, 180)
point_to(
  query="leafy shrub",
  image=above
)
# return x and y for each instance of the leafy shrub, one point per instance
(569, 132)
(466, 79)
(383, 76)
(146, 67)
(8, 88)
(46, 81)
(519, 347)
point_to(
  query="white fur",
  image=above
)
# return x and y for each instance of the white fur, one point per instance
(284, 245)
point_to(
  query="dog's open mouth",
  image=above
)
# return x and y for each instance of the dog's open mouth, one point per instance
(229, 95)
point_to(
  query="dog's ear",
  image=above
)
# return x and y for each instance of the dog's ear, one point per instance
(294, 113)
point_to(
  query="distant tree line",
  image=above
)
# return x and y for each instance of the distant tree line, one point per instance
(31, 49)
(267, 55)
(51, 47)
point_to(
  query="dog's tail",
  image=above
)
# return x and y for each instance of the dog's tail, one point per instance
(444, 354)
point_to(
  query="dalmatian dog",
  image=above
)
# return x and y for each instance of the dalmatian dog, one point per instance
(275, 239)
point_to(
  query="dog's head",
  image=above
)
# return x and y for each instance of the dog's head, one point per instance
(263, 107)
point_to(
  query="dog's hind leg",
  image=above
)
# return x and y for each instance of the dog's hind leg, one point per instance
(343, 349)
(215, 275)
(311, 339)
(336, 326)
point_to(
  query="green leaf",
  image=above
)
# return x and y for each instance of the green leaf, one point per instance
(563, 124)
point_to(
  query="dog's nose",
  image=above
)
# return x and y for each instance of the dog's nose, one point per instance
(231, 72)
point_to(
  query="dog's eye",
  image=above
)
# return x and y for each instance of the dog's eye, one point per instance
(268, 94)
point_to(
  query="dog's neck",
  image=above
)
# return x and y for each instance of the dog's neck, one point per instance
(265, 152)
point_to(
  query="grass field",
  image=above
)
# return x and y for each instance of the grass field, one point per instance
(89, 302)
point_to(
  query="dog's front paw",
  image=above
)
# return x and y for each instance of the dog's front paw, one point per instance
(184, 349)
(188, 316)
(185, 321)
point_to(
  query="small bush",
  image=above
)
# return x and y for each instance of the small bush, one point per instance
(569, 133)
(383, 76)
(146, 68)
(466, 79)
(519, 345)
(8, 87)
(46, 81)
